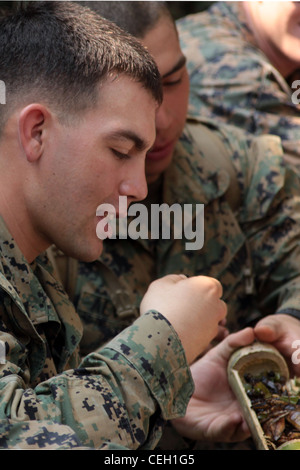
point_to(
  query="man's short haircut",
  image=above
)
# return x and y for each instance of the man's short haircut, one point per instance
(137, 18)
(58, 53)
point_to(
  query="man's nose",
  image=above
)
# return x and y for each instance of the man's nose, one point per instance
(135, 187)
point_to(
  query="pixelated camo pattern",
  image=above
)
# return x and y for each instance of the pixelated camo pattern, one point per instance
(50, 399)
(253, 251)
(233, 81)
(251, 247)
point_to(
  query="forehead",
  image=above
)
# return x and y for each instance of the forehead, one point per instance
(124, 108)
(163, 44)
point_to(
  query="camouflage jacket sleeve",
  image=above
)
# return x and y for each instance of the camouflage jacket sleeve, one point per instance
(232, 80)
(117, 398)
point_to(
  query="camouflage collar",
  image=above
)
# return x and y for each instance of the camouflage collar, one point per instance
(39, 297)
(234, 14)
(16, 274)
(192, 178)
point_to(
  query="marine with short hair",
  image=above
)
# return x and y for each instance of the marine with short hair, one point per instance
(62, 140)
(251, 207)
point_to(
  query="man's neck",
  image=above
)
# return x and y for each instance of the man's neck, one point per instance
(17, 222)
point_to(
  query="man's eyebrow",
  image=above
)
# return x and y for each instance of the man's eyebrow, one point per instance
(139, 143)
(180, 63)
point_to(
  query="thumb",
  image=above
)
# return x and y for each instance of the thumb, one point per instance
(174, 277)
(235, 340)
(267, 330)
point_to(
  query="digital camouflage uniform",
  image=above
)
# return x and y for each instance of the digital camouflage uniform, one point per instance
(114, 398)
(251, 239)
(253, 248)
(232, 80)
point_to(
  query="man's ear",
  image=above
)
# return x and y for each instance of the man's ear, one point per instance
(33, 121)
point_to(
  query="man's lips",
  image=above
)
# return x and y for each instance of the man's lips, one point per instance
(160, 151)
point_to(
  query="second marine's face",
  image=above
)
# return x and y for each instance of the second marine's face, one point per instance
(163, 44)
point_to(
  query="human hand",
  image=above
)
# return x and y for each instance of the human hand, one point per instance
(193, 307)
(213, 413)
(281, 331)
(221, 334)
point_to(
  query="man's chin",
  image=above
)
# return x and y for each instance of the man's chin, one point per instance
(93, 256)
(92, 253)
